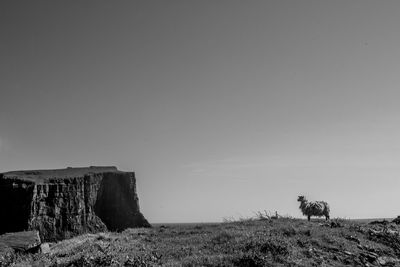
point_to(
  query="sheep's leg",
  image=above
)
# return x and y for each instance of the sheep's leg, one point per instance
(308, 217)
(327, 217)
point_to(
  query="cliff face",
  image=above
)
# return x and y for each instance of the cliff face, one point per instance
(63, 203)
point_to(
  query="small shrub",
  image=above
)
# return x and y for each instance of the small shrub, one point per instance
(102, 260)
(306, 232)
(221, 238)
(143, 260)
(289, 231)
(249, 260)
(273, 245)
(301, 243)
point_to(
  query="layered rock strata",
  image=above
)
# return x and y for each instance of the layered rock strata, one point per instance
(67, 202)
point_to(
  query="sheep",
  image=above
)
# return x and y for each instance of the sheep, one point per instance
(313, 208)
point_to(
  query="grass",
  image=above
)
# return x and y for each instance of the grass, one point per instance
(278, 242)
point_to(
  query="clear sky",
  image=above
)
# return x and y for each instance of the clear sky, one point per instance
(222, 108)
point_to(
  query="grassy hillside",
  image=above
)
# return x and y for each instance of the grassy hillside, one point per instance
(280, 242)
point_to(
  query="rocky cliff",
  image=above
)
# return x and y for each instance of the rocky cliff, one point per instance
(67, 202)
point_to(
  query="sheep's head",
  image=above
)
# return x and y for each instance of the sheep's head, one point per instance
(301, 198)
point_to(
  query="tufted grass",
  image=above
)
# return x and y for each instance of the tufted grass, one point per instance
(253, 242)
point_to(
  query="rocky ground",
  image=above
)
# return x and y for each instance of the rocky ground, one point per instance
(267, 242)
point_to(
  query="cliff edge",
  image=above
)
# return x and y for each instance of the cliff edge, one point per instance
(66, 202)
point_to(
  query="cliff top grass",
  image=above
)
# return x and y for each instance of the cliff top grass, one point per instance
(278, 242)
(41, 175)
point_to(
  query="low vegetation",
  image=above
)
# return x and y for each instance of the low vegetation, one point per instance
(251, 242)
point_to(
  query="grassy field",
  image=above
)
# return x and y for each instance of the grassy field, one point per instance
(279, 242)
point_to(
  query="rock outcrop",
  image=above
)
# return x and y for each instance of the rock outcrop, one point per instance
(21, 241)
(66, 202)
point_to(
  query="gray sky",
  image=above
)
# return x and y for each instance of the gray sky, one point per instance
(222, 108)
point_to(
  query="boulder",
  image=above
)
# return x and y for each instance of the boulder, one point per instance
(21, 241)
(45, 248)
(396, 220)
(63, 203)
